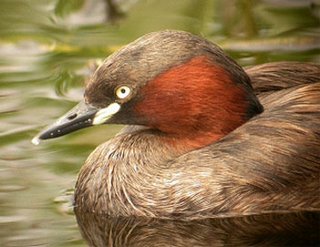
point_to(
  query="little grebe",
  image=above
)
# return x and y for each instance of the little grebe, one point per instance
(204, 137)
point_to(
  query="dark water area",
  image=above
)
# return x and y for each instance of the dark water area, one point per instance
(290, 229)
(48, 49)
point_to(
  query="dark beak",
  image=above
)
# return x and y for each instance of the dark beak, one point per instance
(81, 116)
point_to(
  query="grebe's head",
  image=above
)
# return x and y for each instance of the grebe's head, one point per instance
(171, 81)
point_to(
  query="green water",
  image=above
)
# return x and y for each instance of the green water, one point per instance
(48, 49)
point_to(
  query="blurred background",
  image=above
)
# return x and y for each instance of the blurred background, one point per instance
(47, 51)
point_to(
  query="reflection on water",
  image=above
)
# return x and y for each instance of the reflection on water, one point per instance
(47, 48)
(287, 229)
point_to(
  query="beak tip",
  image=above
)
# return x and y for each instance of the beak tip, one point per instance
(84, 116)
(35, 141)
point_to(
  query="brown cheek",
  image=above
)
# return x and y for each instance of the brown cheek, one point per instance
(197, 95)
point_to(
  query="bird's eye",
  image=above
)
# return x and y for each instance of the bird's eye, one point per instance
(123, 92)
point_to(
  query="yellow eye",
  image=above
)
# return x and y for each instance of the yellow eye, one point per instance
(123, 92)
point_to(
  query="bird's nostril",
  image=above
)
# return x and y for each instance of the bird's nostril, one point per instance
(72, 116)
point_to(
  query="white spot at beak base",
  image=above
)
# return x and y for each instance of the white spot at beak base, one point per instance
(105, 113)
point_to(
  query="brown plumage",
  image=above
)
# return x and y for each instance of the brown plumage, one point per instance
(198, 144)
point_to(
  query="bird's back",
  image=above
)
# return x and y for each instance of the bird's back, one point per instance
(272, 162)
